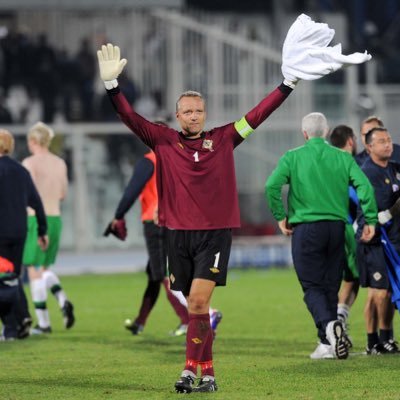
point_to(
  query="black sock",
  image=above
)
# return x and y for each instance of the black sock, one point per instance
(385, 335)
(373, 339)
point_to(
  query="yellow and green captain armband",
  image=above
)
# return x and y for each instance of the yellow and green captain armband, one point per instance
(243, 128)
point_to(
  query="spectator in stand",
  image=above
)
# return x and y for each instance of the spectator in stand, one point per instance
(68, 71)
(87, 71)
(46, 77)
(5, 114)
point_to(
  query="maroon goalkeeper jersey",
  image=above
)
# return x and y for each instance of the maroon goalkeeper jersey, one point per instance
(196, 180)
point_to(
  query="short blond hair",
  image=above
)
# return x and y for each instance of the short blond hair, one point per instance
(6, 142)
(189, 93)
(41, 134)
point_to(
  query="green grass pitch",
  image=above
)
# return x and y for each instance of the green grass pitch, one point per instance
(261, 350)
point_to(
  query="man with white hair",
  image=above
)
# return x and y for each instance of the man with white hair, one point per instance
(319, 176)
(49, 173)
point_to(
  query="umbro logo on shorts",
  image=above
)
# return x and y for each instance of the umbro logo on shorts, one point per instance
(172, 278)
(197, 340)
(214, 270)
(377, 276)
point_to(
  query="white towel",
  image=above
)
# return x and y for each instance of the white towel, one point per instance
(306, 54)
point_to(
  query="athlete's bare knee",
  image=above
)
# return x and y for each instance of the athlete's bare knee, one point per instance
(197, 304)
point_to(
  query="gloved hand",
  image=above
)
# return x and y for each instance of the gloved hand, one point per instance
(117, 228)
(110, 64)
(306, 54)
(384, 217)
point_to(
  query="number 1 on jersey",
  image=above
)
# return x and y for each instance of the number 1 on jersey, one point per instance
(196, 156)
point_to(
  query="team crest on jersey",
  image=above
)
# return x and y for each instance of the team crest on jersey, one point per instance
(208, 144)
(387, 181)
(214, 270)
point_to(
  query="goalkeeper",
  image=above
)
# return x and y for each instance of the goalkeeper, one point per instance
(196, 184)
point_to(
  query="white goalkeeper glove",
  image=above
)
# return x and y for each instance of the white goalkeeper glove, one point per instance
(110, 64)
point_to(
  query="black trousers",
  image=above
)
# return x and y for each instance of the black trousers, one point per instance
(318, 256)
(8, 310)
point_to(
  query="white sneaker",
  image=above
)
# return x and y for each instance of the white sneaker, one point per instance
(336, 337)
(323, 351)
(180, 330)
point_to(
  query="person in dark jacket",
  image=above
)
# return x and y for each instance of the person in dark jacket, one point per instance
(17, 193)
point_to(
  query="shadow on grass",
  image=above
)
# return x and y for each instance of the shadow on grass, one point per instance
(237, 346)
(258, 346)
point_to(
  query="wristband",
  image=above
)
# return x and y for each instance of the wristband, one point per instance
(290, 84)
(111, 84)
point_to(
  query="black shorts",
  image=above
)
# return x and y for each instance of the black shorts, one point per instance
(156, 247)
(348, 275)
(198, 254)
(372, 266)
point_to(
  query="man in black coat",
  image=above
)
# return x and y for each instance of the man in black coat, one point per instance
(17, 193)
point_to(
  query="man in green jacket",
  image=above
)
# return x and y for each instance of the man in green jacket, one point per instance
(319, 176)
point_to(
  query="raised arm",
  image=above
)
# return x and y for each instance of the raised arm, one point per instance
(306, 55)
(110, 66)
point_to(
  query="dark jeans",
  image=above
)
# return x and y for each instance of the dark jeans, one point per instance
(318, 256)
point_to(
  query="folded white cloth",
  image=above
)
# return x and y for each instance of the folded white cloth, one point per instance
(306, 54)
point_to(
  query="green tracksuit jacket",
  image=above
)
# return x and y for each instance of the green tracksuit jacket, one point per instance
(319, 176)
